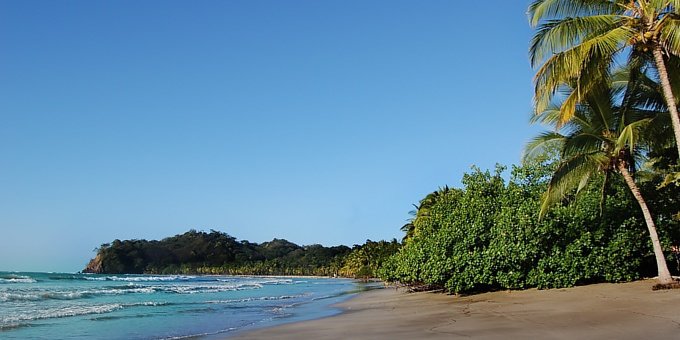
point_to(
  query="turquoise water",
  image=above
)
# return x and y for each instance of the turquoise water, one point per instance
(85, 306)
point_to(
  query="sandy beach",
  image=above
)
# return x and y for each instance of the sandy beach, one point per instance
(602, 311)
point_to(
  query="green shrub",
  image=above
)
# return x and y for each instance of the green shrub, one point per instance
(488, 236)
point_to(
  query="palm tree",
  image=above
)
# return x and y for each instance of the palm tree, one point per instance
(421, 212)
(578, 41)
(410, 228)
(602, 137)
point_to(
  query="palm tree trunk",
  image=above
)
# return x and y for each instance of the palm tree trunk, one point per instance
(668, 93)
(664, 275)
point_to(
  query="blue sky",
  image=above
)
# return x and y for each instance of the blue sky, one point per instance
(314, 121)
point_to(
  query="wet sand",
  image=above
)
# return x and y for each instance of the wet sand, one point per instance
(602, 311)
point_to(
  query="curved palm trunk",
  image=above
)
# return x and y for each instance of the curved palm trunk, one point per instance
(664, 274)
(668, 93)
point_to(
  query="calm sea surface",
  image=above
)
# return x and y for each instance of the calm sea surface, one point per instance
(85, 306)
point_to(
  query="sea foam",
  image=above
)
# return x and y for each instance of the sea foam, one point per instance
(140, 278)
(11, 278)
(12, 321)
(67, 305)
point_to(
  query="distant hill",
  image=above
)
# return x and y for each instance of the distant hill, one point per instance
(216, 252)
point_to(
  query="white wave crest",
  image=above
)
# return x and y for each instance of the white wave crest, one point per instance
(141, 278)
(5, 297)
(147, 303)
(277, 282)
(195, 289)
(67, 311)
(262, 298)
(17, 279)
(68, 295)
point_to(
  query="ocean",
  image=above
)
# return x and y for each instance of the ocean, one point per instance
(86, 306)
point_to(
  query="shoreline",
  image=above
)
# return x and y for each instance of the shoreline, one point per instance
(623, 311)
(331, 310)
(65, 305)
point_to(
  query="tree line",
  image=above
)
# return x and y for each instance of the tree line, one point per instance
(215, 252)
(488, 235)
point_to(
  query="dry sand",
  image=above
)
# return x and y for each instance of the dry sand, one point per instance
(602, 311)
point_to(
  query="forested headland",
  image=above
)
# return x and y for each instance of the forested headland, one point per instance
(214, 252)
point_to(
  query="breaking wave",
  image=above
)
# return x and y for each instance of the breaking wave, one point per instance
(262, 298)
(139, 278)
(12, 321)
(35, 295)
(18, 320)
(11, 278)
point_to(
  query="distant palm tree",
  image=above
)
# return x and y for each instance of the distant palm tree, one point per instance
(577, 42)
(409, 228)
(602, 137)
(421, 212)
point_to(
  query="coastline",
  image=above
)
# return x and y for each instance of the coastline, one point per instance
(623, 311)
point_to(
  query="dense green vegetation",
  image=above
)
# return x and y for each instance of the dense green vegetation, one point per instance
(365, 261)
(198, 252)
(488, 235)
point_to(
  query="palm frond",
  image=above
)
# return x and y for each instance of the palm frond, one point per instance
(658, 4)
(670, 36)
(550, 116)
(568, 109)
(628, 78)
(636, 114)
(676, 6)
(673, 63)
(671, 6)
(546, 9)
(641, 91)
(571, 174)
(555, 114)
(570, 66)
(658, 133)
(599, 100)
(630, 134)
(541, 143)
(585, 143)
(620, 80)
(558, 35)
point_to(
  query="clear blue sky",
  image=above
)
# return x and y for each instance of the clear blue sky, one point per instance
(313, 121)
